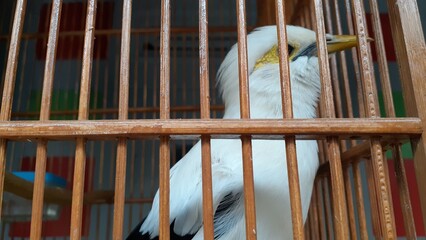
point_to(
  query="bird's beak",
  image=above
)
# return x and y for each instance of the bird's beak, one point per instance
(342, 42)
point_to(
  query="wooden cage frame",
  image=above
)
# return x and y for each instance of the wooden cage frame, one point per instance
(333, 174)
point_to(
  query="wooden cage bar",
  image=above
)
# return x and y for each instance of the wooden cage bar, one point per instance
(390, 112)
(121, 158)
(410, 49)
(399, 128)
(41, 157)
(371, 110)
(80, 152)
(287, 108)
(208, 210)
(9, 83)
(162, 66)
(340, 220)
(249, 200)
(165, 114)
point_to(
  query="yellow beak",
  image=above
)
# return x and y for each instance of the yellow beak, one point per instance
(342, 42)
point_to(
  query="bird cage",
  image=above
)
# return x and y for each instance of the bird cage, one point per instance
(101, 97)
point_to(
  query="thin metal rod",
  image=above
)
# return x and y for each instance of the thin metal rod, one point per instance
(83, 113)
(249, 200)
(341, 230)
(121, 157)
(9, 83)
(164, 231)
(287, 108)
(40, 168)
(205, 114)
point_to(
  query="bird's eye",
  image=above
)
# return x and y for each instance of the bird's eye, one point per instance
(290, 49)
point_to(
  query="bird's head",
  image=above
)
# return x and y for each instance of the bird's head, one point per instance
(263, 60)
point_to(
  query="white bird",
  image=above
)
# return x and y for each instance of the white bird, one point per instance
(272, 197)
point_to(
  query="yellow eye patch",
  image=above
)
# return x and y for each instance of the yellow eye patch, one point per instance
(271, 57)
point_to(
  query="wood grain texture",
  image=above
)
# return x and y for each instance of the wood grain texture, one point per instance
(249, 200)
(379, 163)
(83, 112)
(164, 189)
(123, 111)
(340, 220)
(23, 130)
(410, 50)
(403, 192)
(287, 108)
(390, 112)
(40, 168)
(208, 211)
(363, 232)
(9, 83)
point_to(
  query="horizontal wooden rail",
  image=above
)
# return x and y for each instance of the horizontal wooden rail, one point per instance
(60, 113)
(117, 32)
(95, 129)
(351, 155)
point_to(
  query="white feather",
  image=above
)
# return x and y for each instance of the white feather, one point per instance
(269, 161)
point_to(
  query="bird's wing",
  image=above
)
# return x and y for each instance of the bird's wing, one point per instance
(186, 189)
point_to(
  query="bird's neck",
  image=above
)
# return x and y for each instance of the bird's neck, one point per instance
(267, 105)
(265, 96)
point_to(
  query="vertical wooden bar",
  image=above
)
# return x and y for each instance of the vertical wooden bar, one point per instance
(381, 59)
(338, 193)
(404, 194)
(9, 83)
(123, 111)
(350, 204)
(40, 168)
(325, 195)
(360, 202)
(322, 218)
(249, 200)
(372, 110)
(336, 175)
(333, 66)
(373, 200)
(410, 49)
(390, 112)
(343, 63)
(205, 114)
(265, 12)
(165, 114)
(315, 216)
(287, 108)
(348, 98)
(133, 145)
(354, 55)
(339, 112)
(83, 113)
